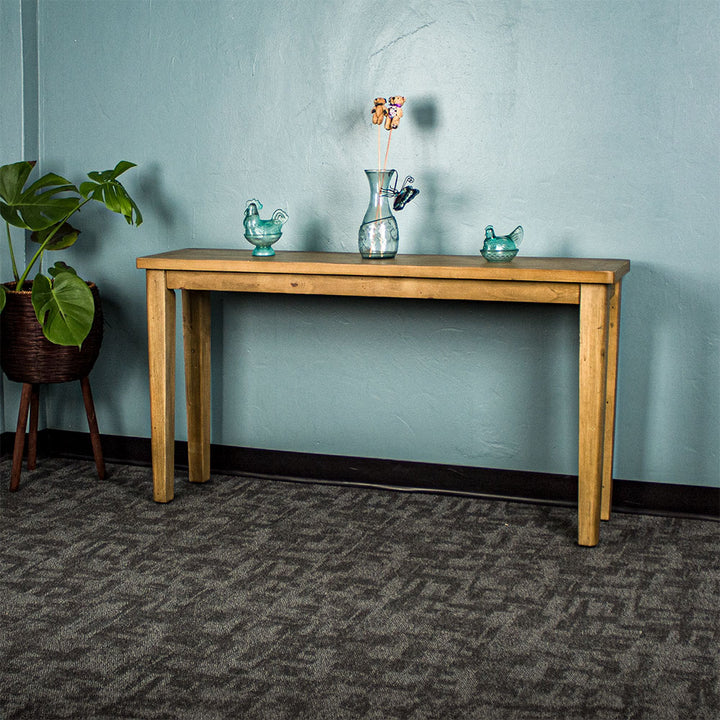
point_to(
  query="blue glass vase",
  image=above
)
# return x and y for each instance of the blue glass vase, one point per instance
(378, 234)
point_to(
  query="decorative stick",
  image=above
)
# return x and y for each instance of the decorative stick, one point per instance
(392, 119)
(387, 150)
(379, 113)
(379, 144)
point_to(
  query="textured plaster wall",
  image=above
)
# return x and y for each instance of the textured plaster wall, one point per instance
(11, 78)
(18, 135)
(594, 123)
(10, 138)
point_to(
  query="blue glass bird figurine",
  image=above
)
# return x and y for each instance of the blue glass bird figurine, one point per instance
(262, 233)
(503, 248)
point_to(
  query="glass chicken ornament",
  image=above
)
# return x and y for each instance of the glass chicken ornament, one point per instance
(262, 233)
(501, 248)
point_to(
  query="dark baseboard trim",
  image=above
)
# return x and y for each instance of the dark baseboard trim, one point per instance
(521, 486)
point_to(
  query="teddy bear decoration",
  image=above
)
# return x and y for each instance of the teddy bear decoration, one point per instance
(394, 112)
(379, 111)
(388, 113)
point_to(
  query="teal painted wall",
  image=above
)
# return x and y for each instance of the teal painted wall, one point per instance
(18, 134)
(594, 124)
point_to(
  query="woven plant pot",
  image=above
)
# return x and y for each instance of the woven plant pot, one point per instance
(27, 356)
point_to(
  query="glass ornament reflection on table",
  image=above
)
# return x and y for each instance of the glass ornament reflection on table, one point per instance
(262, 233)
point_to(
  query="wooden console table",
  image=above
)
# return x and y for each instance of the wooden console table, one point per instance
(593, 285)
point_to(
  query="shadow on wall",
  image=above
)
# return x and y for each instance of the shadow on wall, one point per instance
(315, 236)
(443, 210)
(155, 202)
(648, 356)
(120, 369)
(425, 114)
(438, 200)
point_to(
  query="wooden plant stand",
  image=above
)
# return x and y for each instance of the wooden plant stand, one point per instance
(29, 403)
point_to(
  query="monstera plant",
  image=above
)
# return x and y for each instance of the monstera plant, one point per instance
(63, 302)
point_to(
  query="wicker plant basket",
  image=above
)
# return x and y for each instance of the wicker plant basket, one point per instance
(27, 356)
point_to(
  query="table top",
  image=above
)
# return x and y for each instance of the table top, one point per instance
(463, 267)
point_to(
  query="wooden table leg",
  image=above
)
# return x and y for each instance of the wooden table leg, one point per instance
(592, 399)
(610, 403)
(196, 337)
(161, 352)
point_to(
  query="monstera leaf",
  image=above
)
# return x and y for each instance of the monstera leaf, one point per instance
(38, 206)
(64, 307)
(55, 238)
(105, 188)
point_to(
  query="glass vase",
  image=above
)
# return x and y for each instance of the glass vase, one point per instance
(378, 234)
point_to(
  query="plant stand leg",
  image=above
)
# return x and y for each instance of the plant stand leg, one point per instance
(93, 427)
(27, 389)
(32, 437)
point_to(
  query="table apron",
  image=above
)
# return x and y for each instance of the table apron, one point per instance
(375, 286)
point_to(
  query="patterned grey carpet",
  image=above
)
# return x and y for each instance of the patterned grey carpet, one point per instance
(248, 598)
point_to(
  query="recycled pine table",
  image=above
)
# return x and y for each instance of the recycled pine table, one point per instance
(592, 284)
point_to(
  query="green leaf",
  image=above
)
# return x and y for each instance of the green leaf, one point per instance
(12, 180)
(61, 267)
(65, 236)
(38, 206)
(121, 167)
(64, 308)
(105, 188)
(3, 297)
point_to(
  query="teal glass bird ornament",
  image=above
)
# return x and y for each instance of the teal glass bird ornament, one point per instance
(503, 248)
(262, 233)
